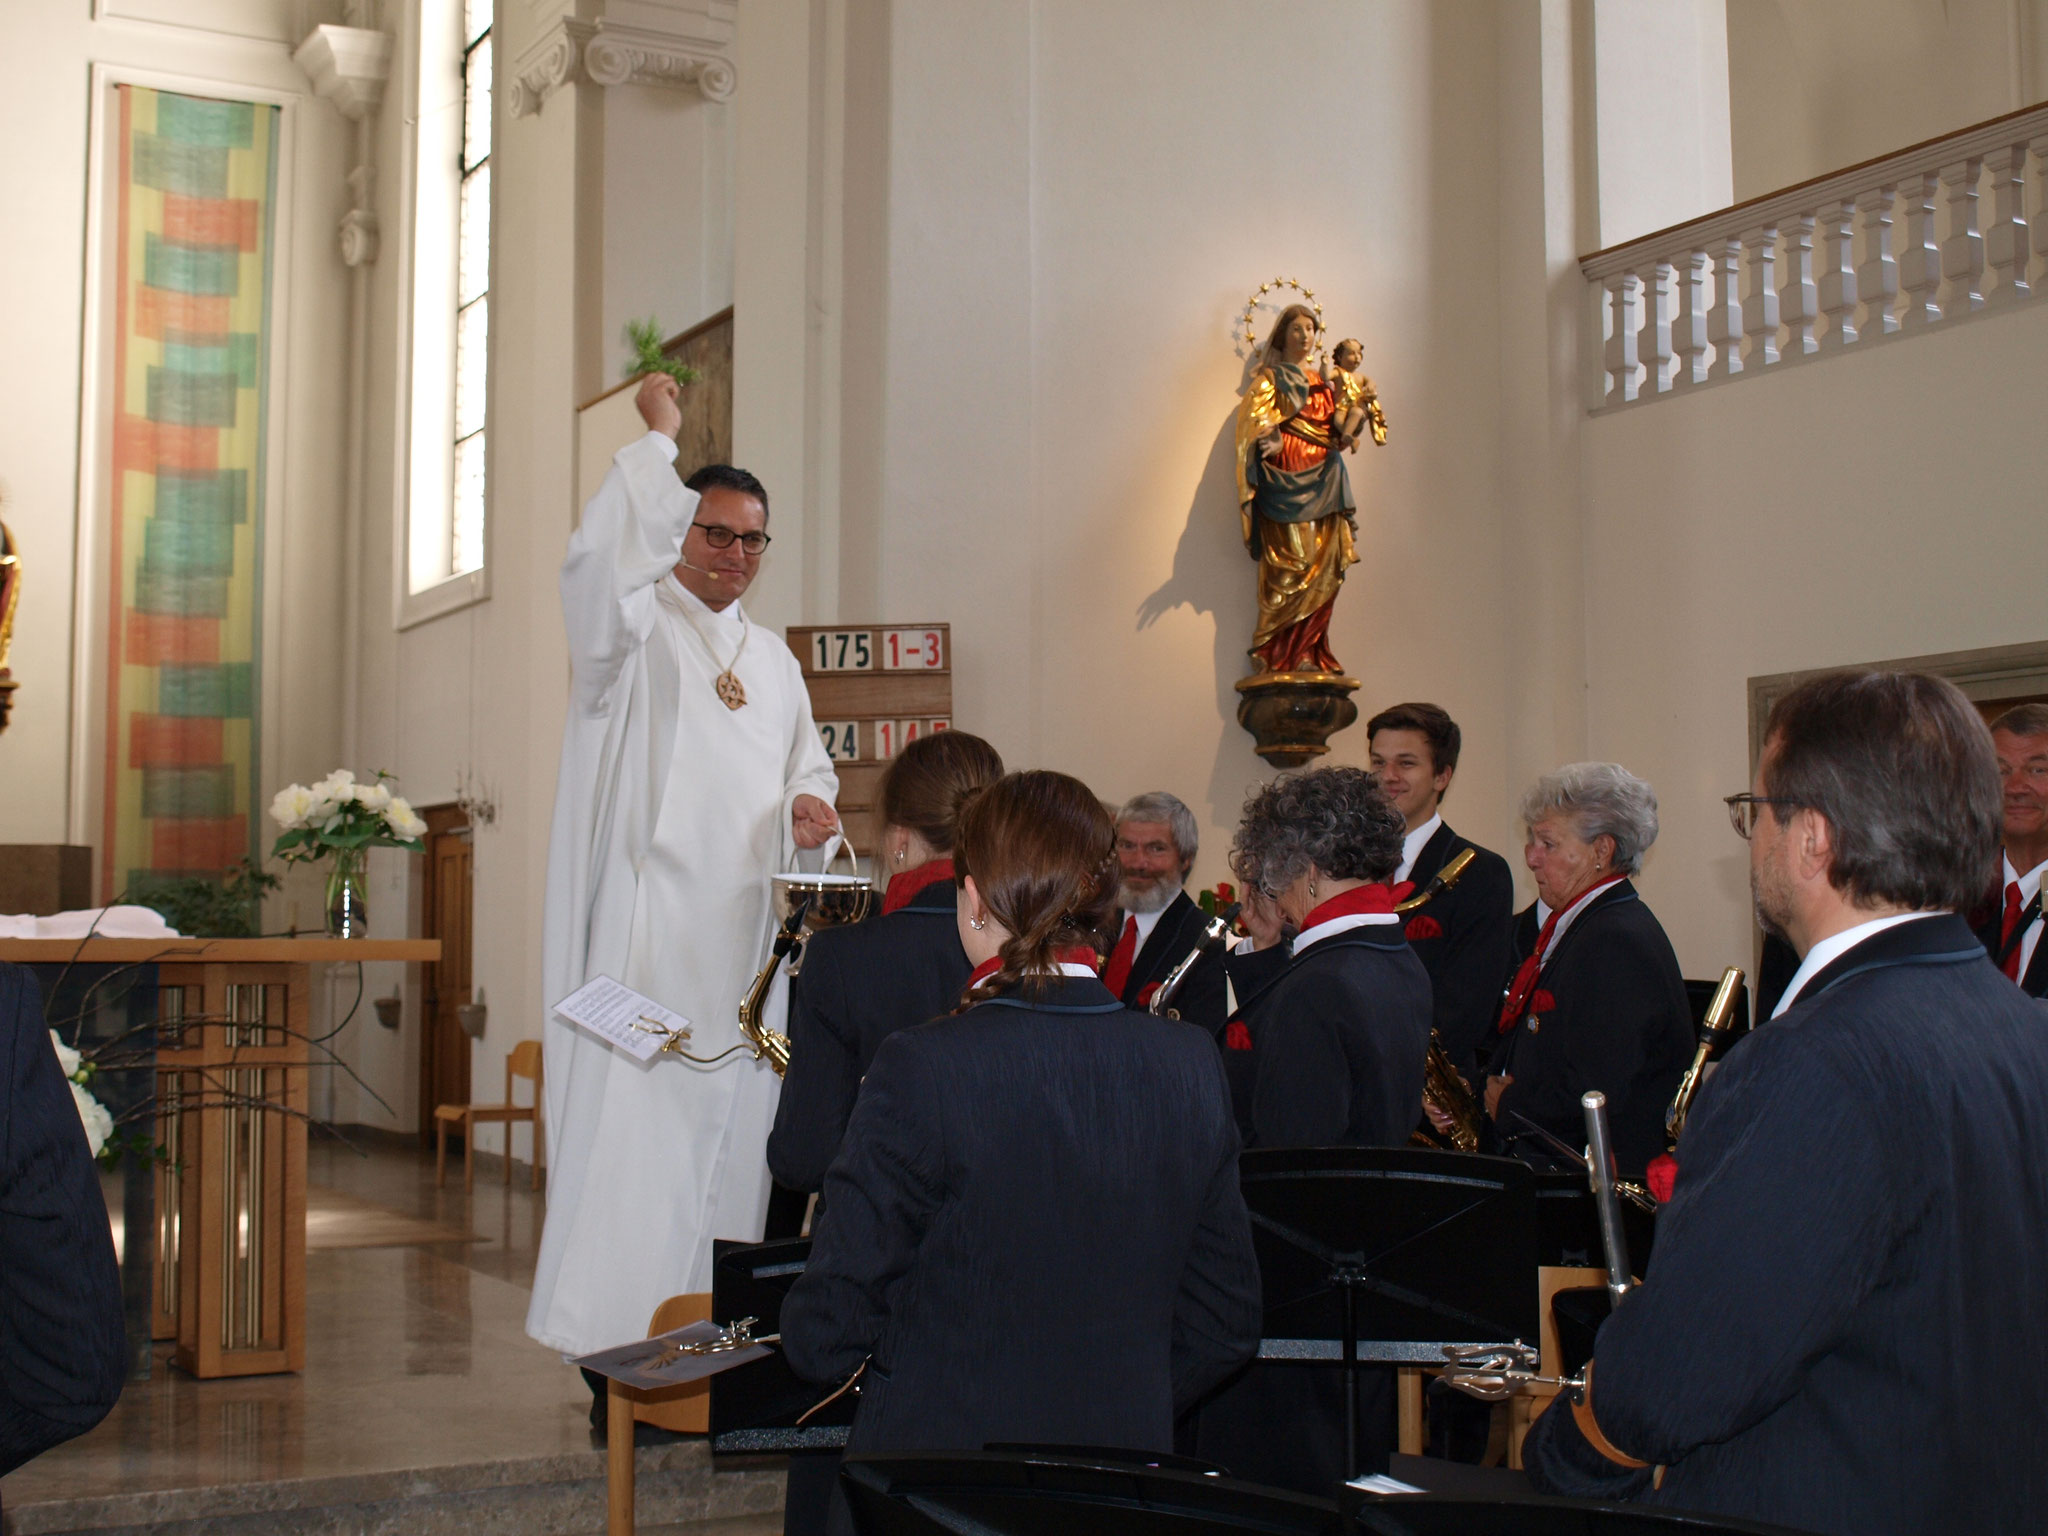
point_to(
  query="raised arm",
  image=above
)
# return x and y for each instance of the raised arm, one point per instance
(630, 537)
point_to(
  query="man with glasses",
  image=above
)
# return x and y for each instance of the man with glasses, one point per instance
(691, 771)
(2010, 922)
(1843, 1329)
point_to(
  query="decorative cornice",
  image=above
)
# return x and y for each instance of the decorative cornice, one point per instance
(620, 55)
(610, 53)
(347, 65)
(547, 64)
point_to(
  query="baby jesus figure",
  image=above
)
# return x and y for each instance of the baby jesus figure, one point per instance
(1358, 405)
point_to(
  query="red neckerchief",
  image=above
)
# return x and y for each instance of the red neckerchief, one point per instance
(1076, 954)
(1358, 901)
(1531, 968)
(903, 888)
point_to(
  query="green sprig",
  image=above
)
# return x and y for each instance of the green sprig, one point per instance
(648, 356)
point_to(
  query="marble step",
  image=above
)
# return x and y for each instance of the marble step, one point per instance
(677, 1487)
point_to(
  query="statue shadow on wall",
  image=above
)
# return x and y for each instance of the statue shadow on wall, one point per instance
(1213, 575)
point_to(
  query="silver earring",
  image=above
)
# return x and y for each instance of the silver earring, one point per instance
(977, 923)
(1311, 890)
(899, 855)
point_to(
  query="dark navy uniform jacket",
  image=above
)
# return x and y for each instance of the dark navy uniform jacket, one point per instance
(1338, 1041)
(1609, 1011)
(1461, 936)
(62, 1346)
(855, 987)
(1033, 1232)
(1843, 1329)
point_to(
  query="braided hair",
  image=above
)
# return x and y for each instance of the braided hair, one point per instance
(1042, 853)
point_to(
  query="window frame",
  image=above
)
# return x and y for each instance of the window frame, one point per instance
(411, 473)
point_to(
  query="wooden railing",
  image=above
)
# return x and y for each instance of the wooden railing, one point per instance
(1821, 267)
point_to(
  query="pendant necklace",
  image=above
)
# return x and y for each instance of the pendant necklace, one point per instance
(730, 693)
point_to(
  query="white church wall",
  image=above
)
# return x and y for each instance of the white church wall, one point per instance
(1866, 507)
(1079, 200)
(1815, 85)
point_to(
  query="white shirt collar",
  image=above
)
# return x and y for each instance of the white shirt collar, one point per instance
(1331, 927)
(1146, 922)
(1411, 845)
(1076, 968)
(2029, 883)
(1832, 948)
(1571, 914)
(725, 623)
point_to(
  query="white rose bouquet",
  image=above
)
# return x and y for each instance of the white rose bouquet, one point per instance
(338, 814)
(99, 1125)
(344, 818)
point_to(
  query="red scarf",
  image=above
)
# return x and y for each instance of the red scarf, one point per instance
(1357, 902)
(1077, 954)
(1531, 968)
(903, 888)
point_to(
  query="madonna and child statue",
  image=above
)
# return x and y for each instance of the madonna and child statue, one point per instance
(1294, 427)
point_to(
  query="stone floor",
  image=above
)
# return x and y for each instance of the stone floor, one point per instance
(418, 1375)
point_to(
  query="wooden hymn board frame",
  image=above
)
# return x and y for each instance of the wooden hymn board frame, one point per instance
(874, 688)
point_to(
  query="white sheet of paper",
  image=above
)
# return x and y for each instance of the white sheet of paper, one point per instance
(620, 1016)
(1379, 1482)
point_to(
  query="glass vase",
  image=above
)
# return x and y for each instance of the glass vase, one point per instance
(348, 917)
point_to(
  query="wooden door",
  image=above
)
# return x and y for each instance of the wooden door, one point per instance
(444, 1049)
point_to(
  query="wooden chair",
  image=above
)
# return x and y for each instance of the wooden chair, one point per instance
(685, 1410)
(525, 1061)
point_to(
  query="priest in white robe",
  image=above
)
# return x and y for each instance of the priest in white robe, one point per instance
(691, 772)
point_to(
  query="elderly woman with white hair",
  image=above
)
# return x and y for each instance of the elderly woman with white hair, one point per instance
(1597, 1000)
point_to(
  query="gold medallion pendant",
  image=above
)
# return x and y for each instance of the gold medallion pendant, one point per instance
(730, 693)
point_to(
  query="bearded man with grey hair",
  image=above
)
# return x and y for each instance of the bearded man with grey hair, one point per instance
(1157, 924)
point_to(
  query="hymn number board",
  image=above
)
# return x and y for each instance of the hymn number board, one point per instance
(874, 689)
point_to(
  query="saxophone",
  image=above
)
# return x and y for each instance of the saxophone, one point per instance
(1442, 1083)
(1720, 1013)
(772, 1044)
(1215, 933)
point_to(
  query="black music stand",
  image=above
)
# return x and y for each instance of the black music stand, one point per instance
(1438, 1515)
(1568, 1227)
(755, 1407)
(1387, 1255)
(941, 1493)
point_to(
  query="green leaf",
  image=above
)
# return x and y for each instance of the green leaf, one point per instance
(645, 335)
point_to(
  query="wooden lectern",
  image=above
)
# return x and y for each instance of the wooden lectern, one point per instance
(229, 1279)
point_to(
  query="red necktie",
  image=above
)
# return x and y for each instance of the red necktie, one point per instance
(2008, 932)
(1118, 970)
(1525, 977)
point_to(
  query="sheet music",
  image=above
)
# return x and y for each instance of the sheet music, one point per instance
(659, 1362)
(619, 1016)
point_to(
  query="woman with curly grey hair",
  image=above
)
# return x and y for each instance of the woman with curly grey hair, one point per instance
(1597, 1000)
(1336, 1043)
(1339, 1037)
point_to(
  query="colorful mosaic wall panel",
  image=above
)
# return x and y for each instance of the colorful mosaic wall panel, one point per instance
(195, 193)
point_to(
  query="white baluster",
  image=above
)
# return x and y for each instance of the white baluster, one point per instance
(1962, 253)
(1689, 334)
(1920, 263)
(2039, 149)
(2005, 243)
(1625, 307)
(1838, 274)
(1724, 322)
(1799, 296)
(1877, 280)
(1760, 303)
(1658, 305)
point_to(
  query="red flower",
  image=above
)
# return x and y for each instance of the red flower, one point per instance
(1424, 927)
(1237, 1037)
(1661, 1175)
(1541, 1002)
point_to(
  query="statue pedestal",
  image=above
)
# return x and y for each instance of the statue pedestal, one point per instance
(1293, 715)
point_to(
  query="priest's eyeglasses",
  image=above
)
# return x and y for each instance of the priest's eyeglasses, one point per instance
(1743, 810)
(718, 536)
